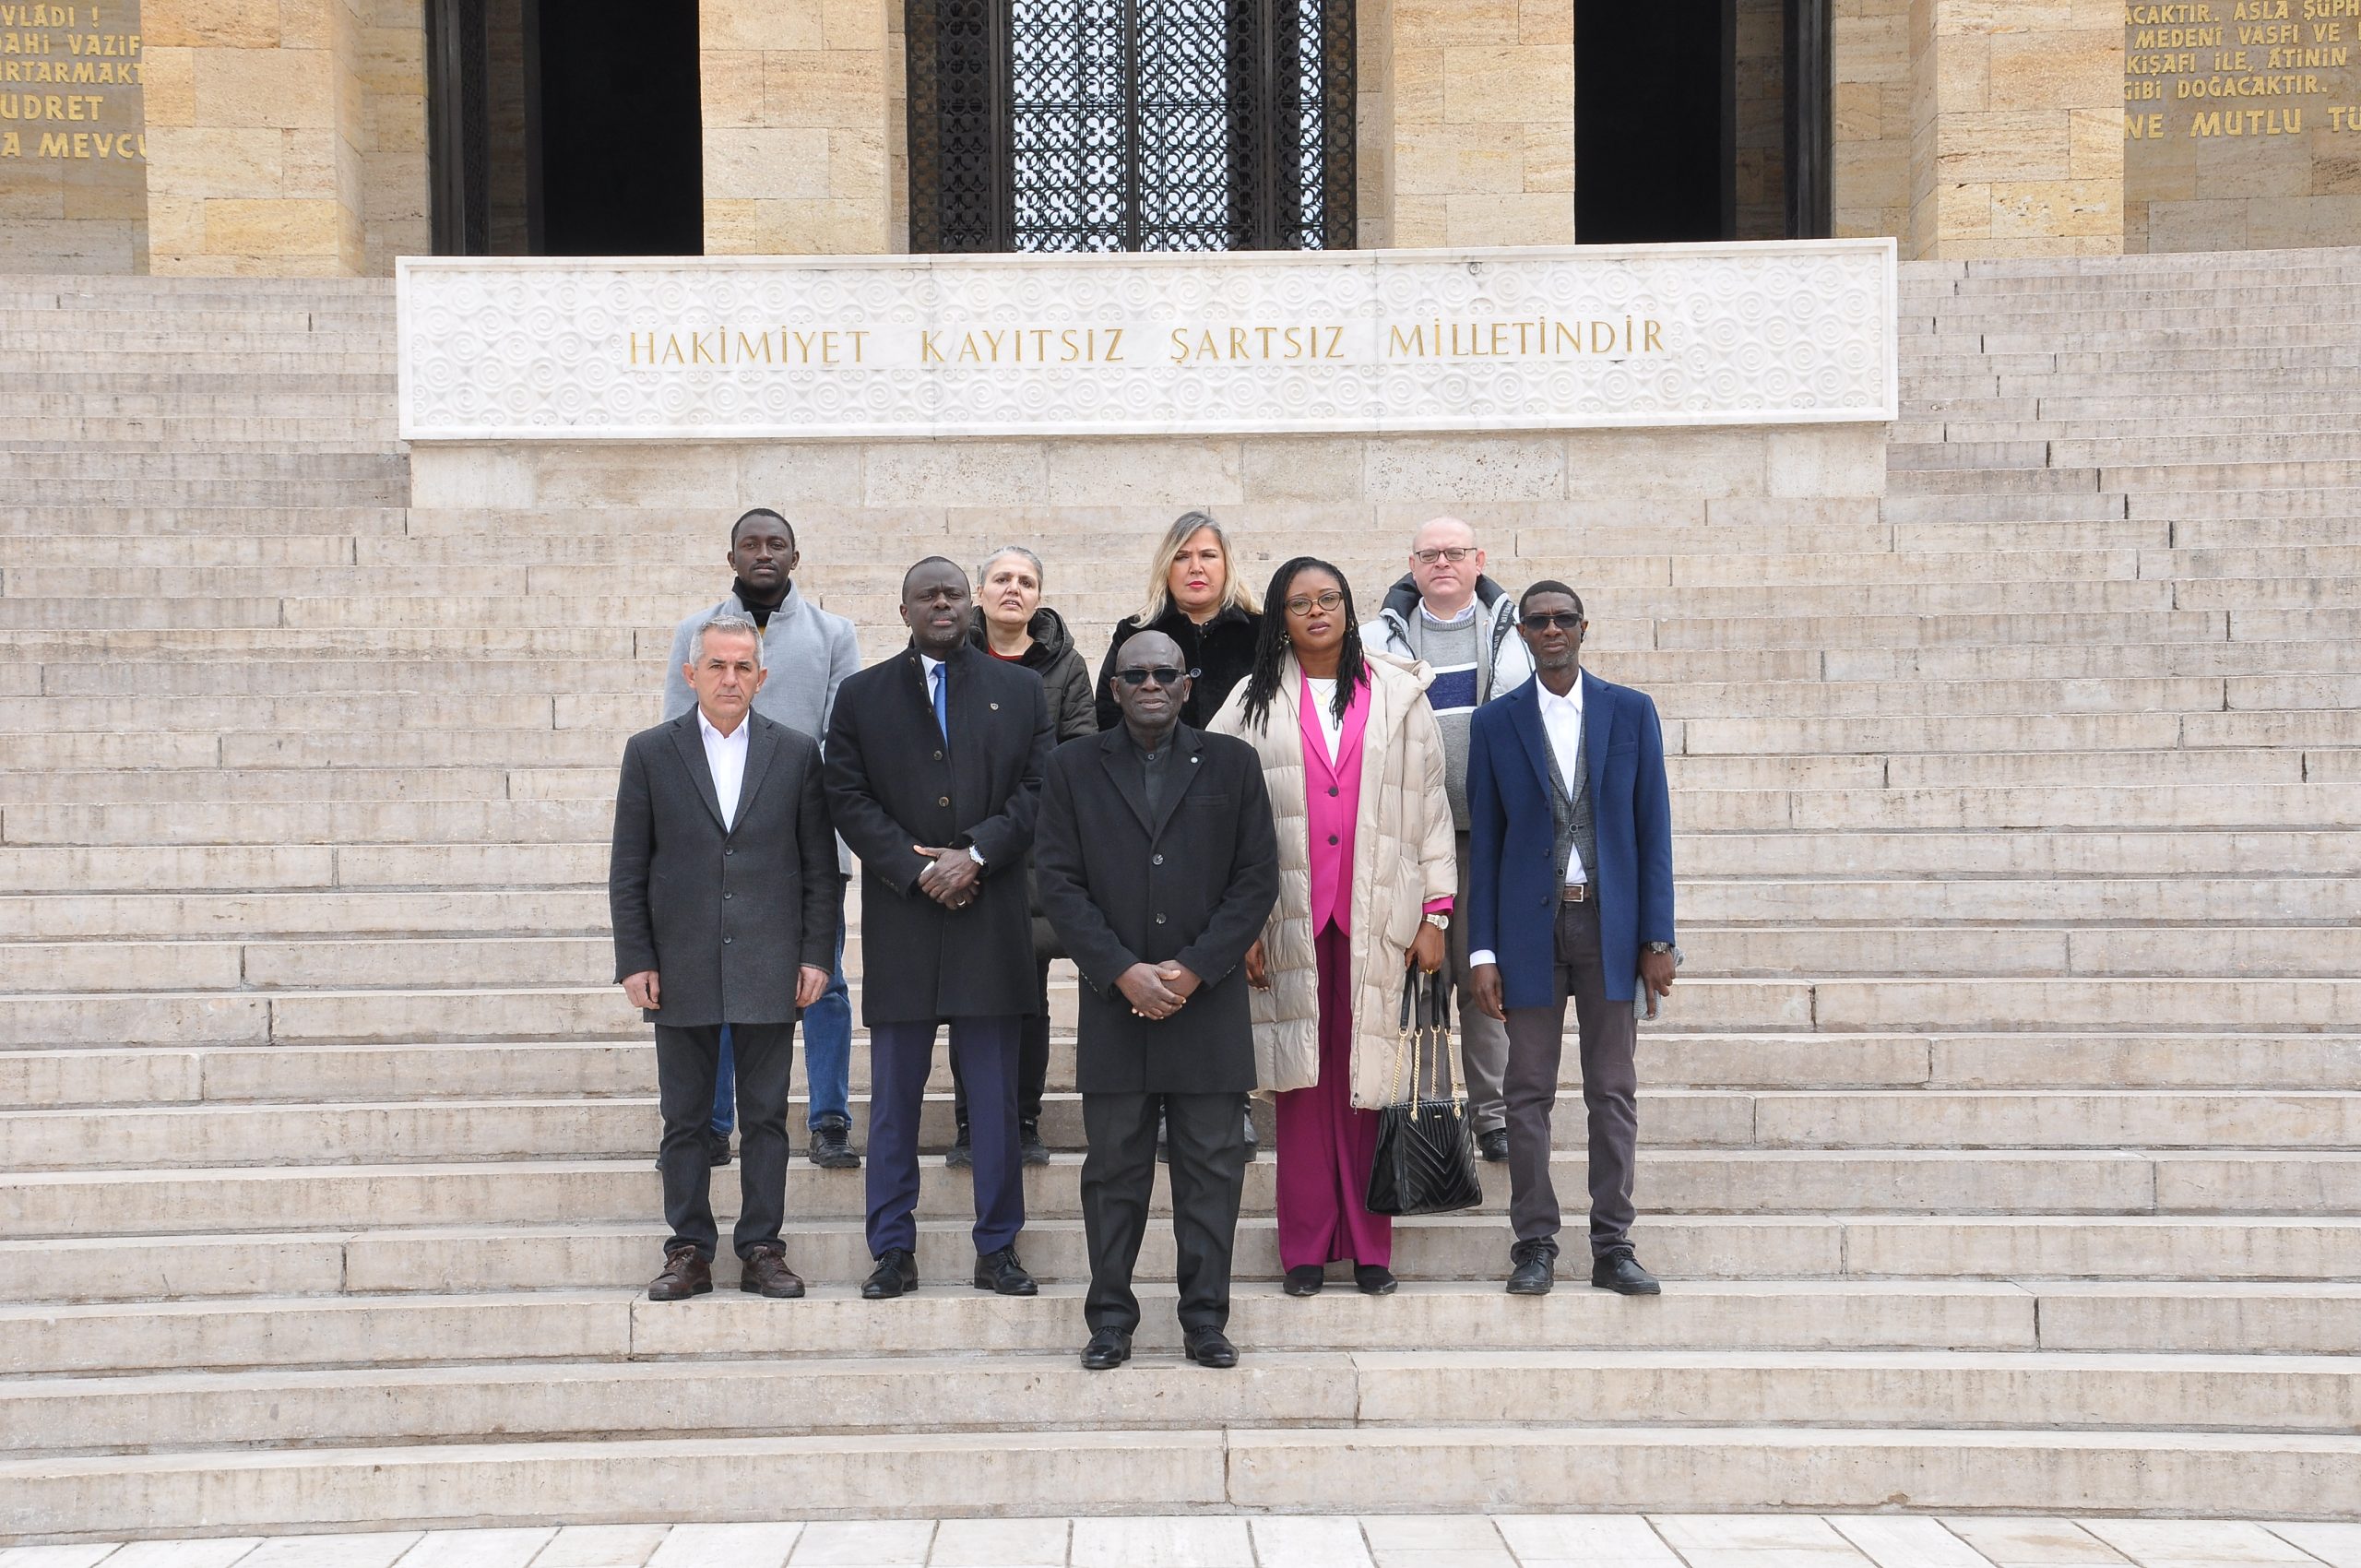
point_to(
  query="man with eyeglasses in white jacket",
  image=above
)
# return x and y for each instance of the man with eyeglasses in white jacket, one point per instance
(1463, 624)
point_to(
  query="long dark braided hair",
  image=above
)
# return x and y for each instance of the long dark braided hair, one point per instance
(1271, 645)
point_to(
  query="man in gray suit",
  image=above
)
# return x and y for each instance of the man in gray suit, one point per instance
(723, 888)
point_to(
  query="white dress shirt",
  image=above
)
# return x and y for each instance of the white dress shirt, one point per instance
(725, 757)
(1323, 705)
(1561, 721)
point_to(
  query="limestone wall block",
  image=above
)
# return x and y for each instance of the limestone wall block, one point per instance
(2004, 145)
(859, 24)
(954, 472)
(1462, 468)
(1482, 83)
(2065, 68)
(186, 161)
(1437, 23)
(266, 87)
(1672, 462)
(1815, 460)
(2058, 209)
(829, 87)
(1527, 218)
(1308, 468)
(272, 229)
(761, 24)
(210, 24)
(743, 162)
(789, 476)
(1184, 472)
(729, 87)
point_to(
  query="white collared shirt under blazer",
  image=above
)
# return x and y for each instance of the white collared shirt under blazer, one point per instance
(726, 757)
(1561, 720)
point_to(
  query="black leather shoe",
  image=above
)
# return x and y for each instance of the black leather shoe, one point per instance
(1305, 1280)
(1533, 1267)
(716, 1148)
(1108, 1348)
(1031, 1150)
(1254, 1139)
(1493, 1146)
(1373, 1281)
(831, 1144)
(897, 1274)
(961, 1156)
(1210, 1347)
(1618, 1271)
(1003, 1275)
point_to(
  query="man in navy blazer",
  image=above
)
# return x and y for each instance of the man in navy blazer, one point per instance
(1570, 874)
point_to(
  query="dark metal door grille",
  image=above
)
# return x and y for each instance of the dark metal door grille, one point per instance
(1131, 125)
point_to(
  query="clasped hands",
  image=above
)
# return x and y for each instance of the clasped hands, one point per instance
(950, 876)
(1157, 990)
(643, 990)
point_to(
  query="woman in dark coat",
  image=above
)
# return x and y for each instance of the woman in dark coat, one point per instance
(1013, 626)
(1197, 598)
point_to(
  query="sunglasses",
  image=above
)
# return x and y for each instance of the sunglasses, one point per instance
(1163, 675)
(1564, 620)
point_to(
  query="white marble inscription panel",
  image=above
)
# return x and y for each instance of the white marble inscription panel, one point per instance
(854, 347)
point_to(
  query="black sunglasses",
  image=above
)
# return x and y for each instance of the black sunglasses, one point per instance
(1564, 620)
(1163, 675)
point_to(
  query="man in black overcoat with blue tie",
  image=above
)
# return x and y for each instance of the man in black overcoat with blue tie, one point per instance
(934, 761)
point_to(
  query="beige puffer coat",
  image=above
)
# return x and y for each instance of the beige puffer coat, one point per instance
(1403, 857)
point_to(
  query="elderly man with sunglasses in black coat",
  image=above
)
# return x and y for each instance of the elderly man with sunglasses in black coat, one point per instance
(1159, 864)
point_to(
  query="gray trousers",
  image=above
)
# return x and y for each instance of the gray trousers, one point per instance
(1610, 1086)
(1483, 1041)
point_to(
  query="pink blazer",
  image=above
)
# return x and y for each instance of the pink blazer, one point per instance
(1332, 798)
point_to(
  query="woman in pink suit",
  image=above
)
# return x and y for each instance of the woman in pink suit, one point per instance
(1354, 761)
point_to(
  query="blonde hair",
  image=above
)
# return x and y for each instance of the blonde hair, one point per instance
(1235, 590)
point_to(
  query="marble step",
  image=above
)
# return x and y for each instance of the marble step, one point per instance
(1362, 1469)
(1975, 1004)
(2163, 1318)
(552, 1189)
(576, 1255)
(533, 1115)
(1372, 1390)
(2026, 1064)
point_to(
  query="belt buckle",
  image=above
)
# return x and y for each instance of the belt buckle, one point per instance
(1574, 893)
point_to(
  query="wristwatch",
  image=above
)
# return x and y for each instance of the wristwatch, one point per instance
(976, 855)
(1655, 947)
(1441, 922)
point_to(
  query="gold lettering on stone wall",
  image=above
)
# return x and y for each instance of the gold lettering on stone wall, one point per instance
(73, 137)
(2234, 115)
(1084, 344)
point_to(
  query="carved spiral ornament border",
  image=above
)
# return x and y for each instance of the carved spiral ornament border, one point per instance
(540, 349)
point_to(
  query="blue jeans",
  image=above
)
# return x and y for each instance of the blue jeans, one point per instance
(828, 1048)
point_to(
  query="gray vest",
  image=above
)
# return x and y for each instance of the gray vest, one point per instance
(1570, 809)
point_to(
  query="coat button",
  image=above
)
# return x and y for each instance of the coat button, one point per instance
(1159, 919)
(1156, 860)
(1332, 839)
(1331, 789)
(730, 896)
(943, 801)
(730, 851)
(725, 942)
(938, 756)
(995, 708)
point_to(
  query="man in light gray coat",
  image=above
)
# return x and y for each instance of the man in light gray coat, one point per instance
(1447, 612)
(807, 653)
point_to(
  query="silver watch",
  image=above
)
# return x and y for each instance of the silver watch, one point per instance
(1441, 922)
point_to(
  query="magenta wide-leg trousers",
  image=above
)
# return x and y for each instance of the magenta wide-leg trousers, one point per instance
(1325, 1146)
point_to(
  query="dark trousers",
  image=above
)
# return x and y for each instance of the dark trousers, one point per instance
(1206, 1138)
(687, 1061)
(900, 1056)
(1032, 1061)
(1611, 1087)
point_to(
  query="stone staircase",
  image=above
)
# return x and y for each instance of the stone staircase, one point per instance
(2000, 1148)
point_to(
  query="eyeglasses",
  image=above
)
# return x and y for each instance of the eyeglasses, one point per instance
(1564, 620)
(1331, 600)
(1163, 675)
(1455, 554)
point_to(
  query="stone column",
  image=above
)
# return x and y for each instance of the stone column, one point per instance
(797, 103)
(1475, 100)
(257, 132)
(2016, 144)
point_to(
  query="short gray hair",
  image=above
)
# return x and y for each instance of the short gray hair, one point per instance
(733, 624)
(1040, 573)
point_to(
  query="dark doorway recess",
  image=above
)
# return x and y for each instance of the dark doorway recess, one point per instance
(1701, 120)
(1650, 138)
(565, 128)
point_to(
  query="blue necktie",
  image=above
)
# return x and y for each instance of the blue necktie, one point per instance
(942, 707)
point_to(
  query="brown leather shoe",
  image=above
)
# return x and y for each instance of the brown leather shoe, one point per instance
(765, 1273)
(686, 1274)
